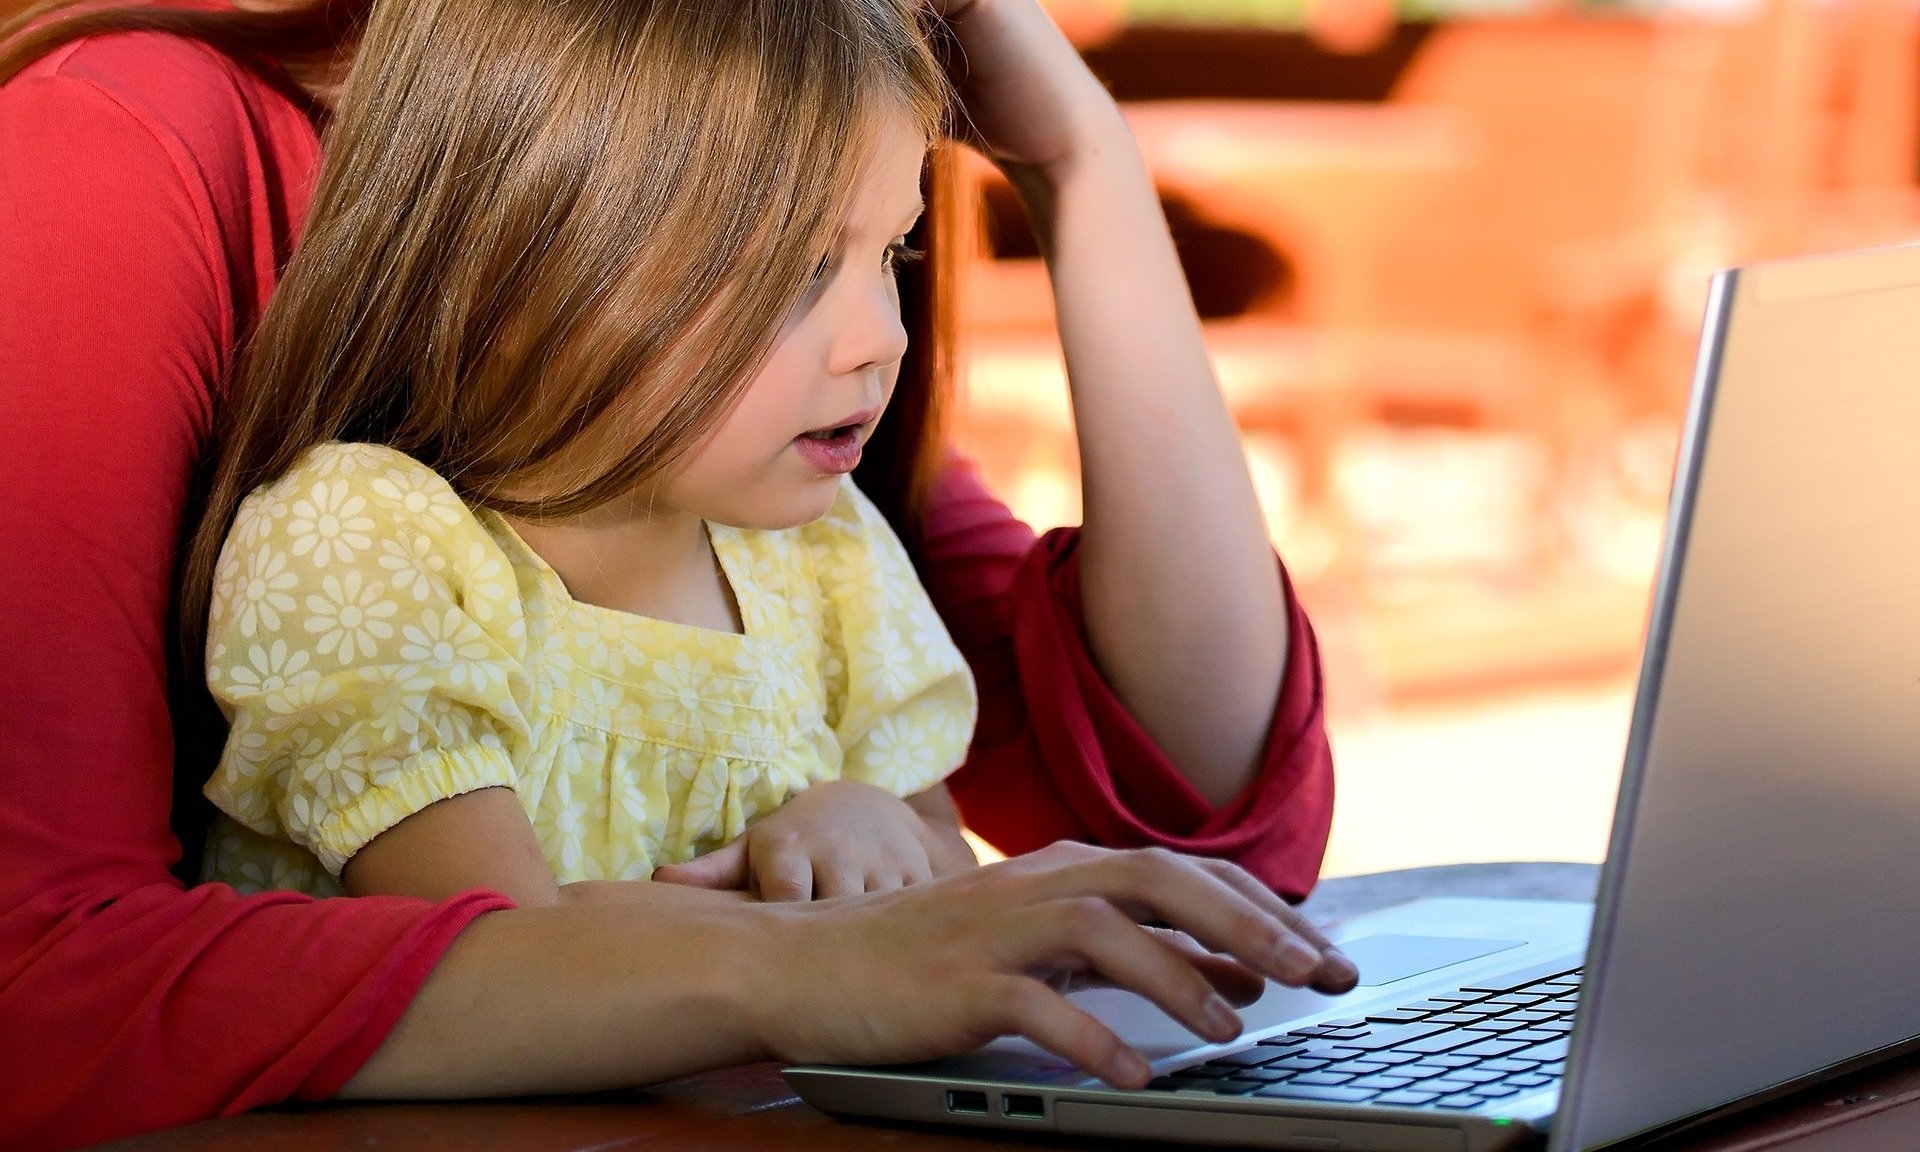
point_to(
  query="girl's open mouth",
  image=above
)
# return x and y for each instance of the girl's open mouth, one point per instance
(831, 451)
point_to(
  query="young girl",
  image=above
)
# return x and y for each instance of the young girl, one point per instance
(551, 571)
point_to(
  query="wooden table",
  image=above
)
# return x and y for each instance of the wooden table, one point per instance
(751, 1108)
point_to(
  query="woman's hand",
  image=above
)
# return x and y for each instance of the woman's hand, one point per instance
(945, 967)
(840, 838)
(1029, 101)
(679, 980)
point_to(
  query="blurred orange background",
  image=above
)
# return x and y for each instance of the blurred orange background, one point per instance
(1451, 256)
(1452, 260)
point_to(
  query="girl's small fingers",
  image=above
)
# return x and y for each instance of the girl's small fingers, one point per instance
(918, 868)
(784, 875)
(833, 879)
(1026, 1007)
(1128, 956)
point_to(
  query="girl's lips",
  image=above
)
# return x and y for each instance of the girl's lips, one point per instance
(831, 455)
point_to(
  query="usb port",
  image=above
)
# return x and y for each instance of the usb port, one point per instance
(967, 1103)
(1023, 1107)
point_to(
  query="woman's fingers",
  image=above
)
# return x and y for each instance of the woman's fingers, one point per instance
(1151, 884)
(1238, 984)
(1026, 1007)
(1090, 934)
(1337, 973)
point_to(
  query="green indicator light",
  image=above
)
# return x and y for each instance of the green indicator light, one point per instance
(1502, 1121)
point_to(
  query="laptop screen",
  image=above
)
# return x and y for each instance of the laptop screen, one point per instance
(1759, 924)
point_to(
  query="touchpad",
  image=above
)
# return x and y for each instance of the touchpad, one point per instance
(1384, 959)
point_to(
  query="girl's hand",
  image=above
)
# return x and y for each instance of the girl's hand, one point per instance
(945, 967)
(1029, 100)
(840, 838)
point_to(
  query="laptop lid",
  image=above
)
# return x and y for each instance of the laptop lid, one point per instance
(1758, 922)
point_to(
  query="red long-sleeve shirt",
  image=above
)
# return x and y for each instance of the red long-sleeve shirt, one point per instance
(150, 190)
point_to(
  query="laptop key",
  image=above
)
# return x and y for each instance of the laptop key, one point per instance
(1411, 1098)
(1329, 1093)
(1386, 1081)
(1392, 1058)
(1251, 1058)
(1496, 1091)
(1357, 1067)
(1534, 1015)
(1398, 1016)
(1511, 1064)
(1461, 997)
(1468, 1014)
(1459, 1100)
(1171, 1084)
(1529, 1080)
(1238, 1087)
(1395, 1036)
(1539, 973)
(1533, 1036)
(1474, 1075)
(1320, 1078)
(1520, 999)
(1299, 1063)
(1422, 1071)
(1202, 1072)
(1496, 1025)
(1283, 1042)
(1557, 1050)
(1438, 1042)
(1487, 1048)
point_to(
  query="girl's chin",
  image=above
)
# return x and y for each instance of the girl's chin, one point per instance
(796, 506)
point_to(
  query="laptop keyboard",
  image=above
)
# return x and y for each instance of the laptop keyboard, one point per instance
(1484, 1042)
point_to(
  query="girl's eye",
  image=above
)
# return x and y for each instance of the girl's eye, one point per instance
(899, 253)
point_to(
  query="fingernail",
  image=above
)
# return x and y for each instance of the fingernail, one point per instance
(1343, 961)
(1222, 1021)
(1130, 1068)
(1297, 961)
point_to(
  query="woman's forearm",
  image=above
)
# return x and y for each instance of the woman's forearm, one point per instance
(1184, 608)
(578, 997)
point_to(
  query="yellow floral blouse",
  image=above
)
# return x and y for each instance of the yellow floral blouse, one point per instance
(379, 646)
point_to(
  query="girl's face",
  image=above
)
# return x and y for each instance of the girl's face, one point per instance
(775, 461)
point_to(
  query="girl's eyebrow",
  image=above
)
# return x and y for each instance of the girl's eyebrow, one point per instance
(919, 209)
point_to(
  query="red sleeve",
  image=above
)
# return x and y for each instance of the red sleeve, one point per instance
(1057, 756)
(126, 1002)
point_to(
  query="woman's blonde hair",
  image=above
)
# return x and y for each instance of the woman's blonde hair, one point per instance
(542, 223)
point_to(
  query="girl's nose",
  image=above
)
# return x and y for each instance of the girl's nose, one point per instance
(871, 334)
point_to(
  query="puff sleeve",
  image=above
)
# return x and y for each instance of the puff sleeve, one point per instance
(366, 642)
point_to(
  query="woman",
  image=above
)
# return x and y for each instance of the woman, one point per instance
(150, 189)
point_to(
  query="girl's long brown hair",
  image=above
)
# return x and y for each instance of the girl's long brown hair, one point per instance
(539, 222)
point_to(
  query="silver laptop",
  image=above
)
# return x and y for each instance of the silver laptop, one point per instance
(1758, 919)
